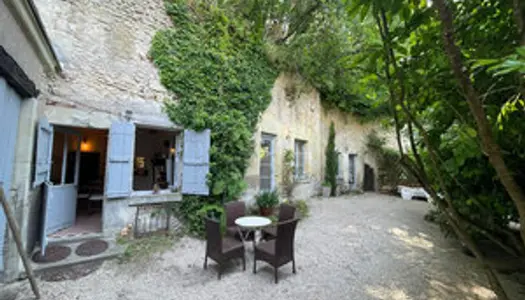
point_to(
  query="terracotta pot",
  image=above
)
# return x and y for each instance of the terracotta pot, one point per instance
(266, 211)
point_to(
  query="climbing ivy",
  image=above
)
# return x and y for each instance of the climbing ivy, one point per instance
(220, 79)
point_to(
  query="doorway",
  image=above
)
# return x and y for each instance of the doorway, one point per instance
(369, 181)
(351, 171)
(76, 190)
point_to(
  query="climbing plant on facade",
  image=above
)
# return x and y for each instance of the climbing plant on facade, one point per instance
(220, 79)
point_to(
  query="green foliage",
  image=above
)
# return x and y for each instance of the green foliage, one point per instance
(139, 250)
(318, 41)
(288, 170)
(217, 71)
(302, 208)
(390, 170)
(221, 80)
(331, 156)
(267, 199)
(415, 69)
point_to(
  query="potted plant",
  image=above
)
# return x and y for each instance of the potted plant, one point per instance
(327, 189)
(266, 201)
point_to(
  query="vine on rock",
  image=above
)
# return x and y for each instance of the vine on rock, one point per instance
(221, 80)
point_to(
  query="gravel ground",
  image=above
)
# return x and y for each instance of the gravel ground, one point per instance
(368, 246)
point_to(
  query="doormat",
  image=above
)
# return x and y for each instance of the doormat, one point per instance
(91, 248)
(54, 253)
(71, 272)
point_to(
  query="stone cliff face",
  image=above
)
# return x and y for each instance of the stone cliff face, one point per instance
(103, 47)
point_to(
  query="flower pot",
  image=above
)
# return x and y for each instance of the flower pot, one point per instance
(326, 191)
(266, 211)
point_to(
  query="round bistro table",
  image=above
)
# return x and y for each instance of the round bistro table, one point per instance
(251, 224)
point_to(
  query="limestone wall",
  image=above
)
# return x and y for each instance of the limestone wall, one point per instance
(103, 47)
(298, 114)
(24, 199)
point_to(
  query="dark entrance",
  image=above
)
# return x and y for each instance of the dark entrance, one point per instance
(369, 184)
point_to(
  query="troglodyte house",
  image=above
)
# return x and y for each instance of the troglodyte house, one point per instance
(87, 135)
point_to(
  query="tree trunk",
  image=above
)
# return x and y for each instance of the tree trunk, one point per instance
(488, 143)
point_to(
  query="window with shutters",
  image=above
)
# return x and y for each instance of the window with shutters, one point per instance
(300, 154)
(154, 162)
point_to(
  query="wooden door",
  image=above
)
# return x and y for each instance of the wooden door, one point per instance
(369, 182)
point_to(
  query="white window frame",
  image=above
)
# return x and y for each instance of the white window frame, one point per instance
(300, 160)
(266, 137)
(68, 132)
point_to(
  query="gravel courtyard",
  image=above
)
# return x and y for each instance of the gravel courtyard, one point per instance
(367, 246)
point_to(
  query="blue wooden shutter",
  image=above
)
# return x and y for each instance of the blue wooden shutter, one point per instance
(44, 148)
(196, 162)
(120, 159)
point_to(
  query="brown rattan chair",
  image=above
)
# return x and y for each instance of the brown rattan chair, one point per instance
(221, 249)
(286, 212)
(279, 251)
(233, 211)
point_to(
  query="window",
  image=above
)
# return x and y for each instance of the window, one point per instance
(154, 161)
(340, 165)
(299, 159)
(351, 168)
(266, 170)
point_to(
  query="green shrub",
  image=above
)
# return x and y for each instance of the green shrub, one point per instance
(302, 208)
(267, 199)
(331, 161)
(193, 209)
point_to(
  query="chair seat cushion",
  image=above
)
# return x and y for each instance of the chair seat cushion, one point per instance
(232, 231)
(272, 231)
(267, 247)
(229, 244)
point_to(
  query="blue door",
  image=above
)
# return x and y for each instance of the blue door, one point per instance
(9, 111)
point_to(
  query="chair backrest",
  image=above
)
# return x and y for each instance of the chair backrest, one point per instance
(284, 242)
(233, 211)
(286, 212)
(213, 235)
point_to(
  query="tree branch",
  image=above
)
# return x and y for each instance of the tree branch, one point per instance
(488, 143)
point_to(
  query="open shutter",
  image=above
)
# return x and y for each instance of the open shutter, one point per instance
(177, 174)
(196, 162)
(44, 148)
(119, 167)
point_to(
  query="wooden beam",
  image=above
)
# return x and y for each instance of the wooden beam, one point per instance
(15, 76)
(18, 241)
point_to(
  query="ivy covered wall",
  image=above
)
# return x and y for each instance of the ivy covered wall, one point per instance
(220, 79)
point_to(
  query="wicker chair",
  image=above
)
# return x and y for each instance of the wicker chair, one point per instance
(286, 212)
(221, 249)
(279, 251)
(233, 211)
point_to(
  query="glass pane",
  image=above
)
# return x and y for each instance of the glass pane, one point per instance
(72, 146)
(266, 165)
(58, 154)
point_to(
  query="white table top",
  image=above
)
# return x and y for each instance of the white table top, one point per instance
(253, 222)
